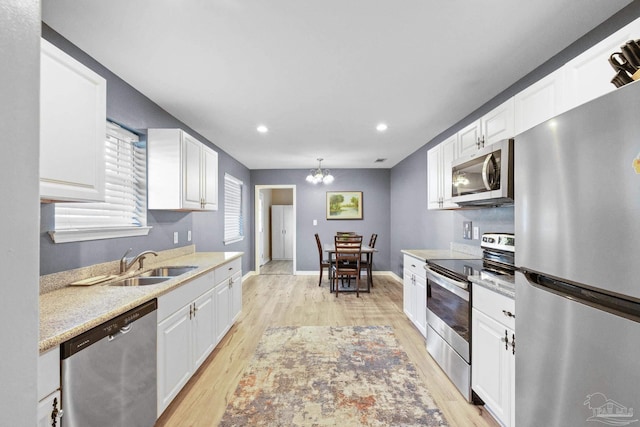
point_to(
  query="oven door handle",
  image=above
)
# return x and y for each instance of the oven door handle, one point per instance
(458, 288)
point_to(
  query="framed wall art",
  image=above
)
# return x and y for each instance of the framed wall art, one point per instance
(344, 204)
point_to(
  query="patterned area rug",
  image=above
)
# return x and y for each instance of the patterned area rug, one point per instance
(321, 375)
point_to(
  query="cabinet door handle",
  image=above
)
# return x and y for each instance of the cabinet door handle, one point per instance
(513, 344)
(508, 314)
(505, 340)
(56, 413)
(478, 143)
(195, 308)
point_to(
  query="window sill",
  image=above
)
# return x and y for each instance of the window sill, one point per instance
(81, 235)
(237, 239)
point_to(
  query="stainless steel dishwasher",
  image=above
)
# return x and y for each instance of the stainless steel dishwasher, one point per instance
(109, 372)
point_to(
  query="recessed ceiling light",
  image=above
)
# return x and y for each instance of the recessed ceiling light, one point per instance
(262, 129)
(381, 127)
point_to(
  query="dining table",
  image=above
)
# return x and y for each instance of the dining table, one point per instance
(330, 249)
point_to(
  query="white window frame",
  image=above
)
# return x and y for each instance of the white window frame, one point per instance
(233, 210)
(75, 231)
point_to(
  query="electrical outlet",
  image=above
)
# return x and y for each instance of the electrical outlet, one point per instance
(175, 237)
(189, 236)
(476, 233)
(466, 230)
(315, 222)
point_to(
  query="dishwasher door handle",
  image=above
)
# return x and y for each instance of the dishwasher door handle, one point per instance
(122, 331)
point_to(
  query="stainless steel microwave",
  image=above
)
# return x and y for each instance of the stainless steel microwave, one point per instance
(484, 178)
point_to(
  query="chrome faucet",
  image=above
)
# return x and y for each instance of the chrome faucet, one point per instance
(126, 265)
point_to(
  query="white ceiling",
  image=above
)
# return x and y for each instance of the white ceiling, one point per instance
(322, 74)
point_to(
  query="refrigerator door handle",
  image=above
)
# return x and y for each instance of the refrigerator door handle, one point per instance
(594, 298)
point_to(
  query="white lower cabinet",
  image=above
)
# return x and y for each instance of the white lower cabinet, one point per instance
(493, 353)
(49, 411)
(203, 327)
(192, 319)
(49, 403)
(415, 292)
(175, 365)
(229, 303)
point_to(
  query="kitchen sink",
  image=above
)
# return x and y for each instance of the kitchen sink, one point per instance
(167, 271)
(140, 281)
(155, 276)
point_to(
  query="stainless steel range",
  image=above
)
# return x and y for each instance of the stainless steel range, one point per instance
(449, 305)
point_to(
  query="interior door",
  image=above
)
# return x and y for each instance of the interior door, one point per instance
(289, 232)
(261, 228)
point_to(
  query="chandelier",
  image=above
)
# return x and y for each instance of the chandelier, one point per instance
(320, 175)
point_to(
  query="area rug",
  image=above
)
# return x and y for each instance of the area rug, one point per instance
(339, 376)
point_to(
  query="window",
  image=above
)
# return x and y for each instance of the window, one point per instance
(124, 211)
(233, 221)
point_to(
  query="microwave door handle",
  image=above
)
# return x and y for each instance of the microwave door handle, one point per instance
(489, 184)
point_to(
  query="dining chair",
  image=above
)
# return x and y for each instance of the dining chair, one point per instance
(324, 263)
(366, 263)
(346, 233)
(347, 261)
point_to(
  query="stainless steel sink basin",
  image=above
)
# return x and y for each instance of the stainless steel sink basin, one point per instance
(172, 271)
(140, 281)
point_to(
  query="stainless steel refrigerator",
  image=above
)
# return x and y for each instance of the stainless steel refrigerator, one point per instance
(577, 215)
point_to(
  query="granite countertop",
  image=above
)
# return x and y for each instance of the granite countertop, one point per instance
(425, 254)
(71, 310)
(504, 285)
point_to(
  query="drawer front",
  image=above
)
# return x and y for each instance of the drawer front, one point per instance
(227, 270)
(500, 308)
(414, 266)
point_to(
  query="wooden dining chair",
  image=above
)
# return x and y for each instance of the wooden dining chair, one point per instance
(366, 263)
(324, 263)
(347, 261)
(346, 233)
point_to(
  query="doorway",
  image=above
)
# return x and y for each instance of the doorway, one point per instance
(275, 225)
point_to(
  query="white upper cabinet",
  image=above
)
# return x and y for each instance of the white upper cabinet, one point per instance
(589, 75)
(539, 102)
(209, 180)
(439, 160)
(72, 128)
(469, 139)
(496, 125)
(183, 172)
(499, 123)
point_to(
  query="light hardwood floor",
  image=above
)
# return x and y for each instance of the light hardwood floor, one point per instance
(297, 301)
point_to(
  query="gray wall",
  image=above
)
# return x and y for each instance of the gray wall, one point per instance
(419, 228)
(127, 106)
(19, 127)
(311, 204)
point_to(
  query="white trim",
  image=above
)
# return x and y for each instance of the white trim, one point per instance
(256, 207)
(249, 274)
(80, 235)
(239, 239)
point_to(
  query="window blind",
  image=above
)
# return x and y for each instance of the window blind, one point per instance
(125, 202)
(233, 221)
